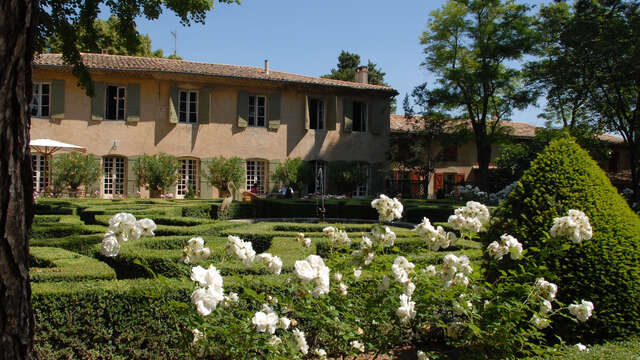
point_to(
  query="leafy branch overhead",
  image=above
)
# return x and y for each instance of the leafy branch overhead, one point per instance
(71, 26)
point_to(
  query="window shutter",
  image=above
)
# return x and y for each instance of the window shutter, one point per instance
(438, 182)
(307, 120)
(274, 111)
(206, 189)
(97, 102)
(57, 99)
(204, 101)
(332, 112)
(459, 178)
(377, 117)
(131, 179)
(133, 102)
(347, 109)
(377, 178)
(243, 109)
(271, 184)
(173, 104)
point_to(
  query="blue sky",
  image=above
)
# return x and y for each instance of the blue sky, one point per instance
(305, 37)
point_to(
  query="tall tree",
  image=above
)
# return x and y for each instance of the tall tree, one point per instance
(472, 47)
(24, 27)
(346, 69)
(598, 43)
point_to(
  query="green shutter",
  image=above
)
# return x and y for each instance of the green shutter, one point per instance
(347, 109)
(133, 102)
(57, 99)
(97, 102)
(173, 104)
(206, 189)
(377, 116)
(307, 121)
(274, 111)
(204, 101)
(271, 184)
(132, 179)
(332, 112)
(378, 179)
(243, 109)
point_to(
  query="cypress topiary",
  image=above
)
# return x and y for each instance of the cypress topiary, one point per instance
(605, 269)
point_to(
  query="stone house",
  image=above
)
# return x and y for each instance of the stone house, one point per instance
(196, 111)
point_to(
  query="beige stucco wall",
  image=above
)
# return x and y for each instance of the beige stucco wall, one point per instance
(221, 136)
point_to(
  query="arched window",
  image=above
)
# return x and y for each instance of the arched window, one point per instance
(113, 172)
(188, 179)
(256, 171)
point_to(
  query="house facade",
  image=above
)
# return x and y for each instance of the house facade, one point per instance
(455, 164)
(196, 111)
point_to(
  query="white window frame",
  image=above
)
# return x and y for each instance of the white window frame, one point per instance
(187, 175)
(187, 113)
(40, 170)
(36, 100)
(321, 114)
(365, 116)
(112, 184)
(118, 98)
(253, 118)
(256, 168)
(362, 190)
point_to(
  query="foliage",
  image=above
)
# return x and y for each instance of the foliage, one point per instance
(73, 25)
(517, 156)
(345, 176)
(74, 170)
(592, 50)
(291, 172)
(157, 172)
(603, 269)
(470, 48)
(220, 171)
(55, 264)
(346, 69)
(105, 37)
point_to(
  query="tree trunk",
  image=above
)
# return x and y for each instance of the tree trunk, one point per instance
(484, 158)
(17, 29)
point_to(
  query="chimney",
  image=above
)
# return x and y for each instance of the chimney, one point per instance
(362, 75)
(266, 67)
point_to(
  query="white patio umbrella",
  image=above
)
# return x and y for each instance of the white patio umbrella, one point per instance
(48, 147)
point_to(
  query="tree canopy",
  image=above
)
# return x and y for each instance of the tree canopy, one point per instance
(346, 69)
(471, 47)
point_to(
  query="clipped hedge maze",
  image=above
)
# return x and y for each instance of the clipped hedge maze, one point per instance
(89, 306)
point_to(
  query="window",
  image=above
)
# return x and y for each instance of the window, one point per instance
(40, 169)
(257, 110)
(188, 177)
(113, 176)
(316, 114)
(359, 116)
(115, 103)
(256, 179)
(188, 107)
(363, 189)
(41, 100)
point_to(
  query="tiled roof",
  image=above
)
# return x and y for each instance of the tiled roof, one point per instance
(150, 64)
(518, 129)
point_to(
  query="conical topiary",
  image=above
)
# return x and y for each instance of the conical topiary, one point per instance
(605, 269)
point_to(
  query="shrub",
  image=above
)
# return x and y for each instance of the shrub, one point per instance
(605, 269)
(291, 173)
(73, 170)
(220, 171)
(345, 176)
(54, 264)
(157, 172)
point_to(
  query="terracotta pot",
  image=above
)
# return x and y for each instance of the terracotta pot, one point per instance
(155, 194)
